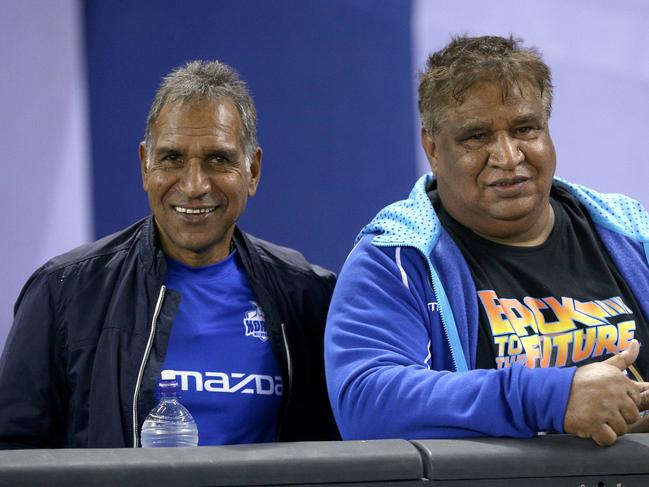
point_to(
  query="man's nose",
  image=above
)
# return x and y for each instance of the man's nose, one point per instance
(505, 152)
(194, 182)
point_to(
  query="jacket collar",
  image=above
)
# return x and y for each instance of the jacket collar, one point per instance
(411, 222)
(614, 211)
(245, 250)
(150, 252)
(153, 258)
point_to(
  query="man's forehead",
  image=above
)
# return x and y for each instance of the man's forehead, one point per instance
(485, 99)
(194, 105)
(200, 117)
(203, 126)
(507, 92)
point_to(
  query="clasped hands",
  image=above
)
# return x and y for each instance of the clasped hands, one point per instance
(604, 403)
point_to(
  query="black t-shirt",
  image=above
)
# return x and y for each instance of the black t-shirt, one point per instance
(560, 303)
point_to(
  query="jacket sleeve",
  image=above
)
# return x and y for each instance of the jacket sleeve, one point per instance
(32, 402)
(380, 386)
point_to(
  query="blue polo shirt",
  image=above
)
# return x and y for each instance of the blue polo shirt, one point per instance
(219, 349)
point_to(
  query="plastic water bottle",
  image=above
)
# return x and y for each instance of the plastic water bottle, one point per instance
(169, 423)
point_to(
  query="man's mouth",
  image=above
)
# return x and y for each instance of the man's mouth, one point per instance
(194, 211)
(508, 182)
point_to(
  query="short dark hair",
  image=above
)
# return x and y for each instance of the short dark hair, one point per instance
(451, 71)
(206, 80)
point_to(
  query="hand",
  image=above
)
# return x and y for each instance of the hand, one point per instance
(603, 402)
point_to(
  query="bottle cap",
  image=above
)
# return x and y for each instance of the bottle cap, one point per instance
(168, 375)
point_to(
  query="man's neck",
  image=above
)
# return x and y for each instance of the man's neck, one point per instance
(537, 234)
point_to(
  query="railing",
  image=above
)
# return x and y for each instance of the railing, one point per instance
(553, 460)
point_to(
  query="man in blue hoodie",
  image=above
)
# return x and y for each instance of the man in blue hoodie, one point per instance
(496, 300)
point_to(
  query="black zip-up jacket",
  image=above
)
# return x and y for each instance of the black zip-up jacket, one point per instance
(90, 335)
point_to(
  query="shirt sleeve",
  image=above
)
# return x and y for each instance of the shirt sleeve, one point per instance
(32, 406)
(380, 386)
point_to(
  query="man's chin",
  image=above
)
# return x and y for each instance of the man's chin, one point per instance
(517, 209)
(514, 224)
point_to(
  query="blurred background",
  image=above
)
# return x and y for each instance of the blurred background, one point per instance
(334, 82)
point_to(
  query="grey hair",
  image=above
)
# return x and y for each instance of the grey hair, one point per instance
(451, 71)
(206, 80)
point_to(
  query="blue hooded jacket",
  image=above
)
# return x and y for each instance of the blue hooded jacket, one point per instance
(402, 330)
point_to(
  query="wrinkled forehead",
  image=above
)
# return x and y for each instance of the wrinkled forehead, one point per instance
(192, 105)
(519, 94)
(197, 116)
(511, 90)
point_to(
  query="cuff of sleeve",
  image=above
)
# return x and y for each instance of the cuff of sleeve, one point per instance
(548, 397)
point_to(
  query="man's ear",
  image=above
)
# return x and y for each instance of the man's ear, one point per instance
(428, 144)
(255, 172)
(144, 167)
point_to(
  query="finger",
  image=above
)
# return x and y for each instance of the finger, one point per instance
(618, 424)
(642, 401)
(604, 436)
(640, 386)
(626, 357)
(629, 412)
(641, 426)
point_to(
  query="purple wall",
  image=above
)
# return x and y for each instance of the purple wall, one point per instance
(45, 183)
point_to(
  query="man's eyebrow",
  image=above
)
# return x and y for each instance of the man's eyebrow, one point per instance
(229, 152)
(165, 149)
(529, 118)
(473, 125)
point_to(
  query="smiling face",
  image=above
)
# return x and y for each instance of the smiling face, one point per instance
(494, 161)
(196, 179)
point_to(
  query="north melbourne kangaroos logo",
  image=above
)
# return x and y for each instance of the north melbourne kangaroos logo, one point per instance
(254, 322)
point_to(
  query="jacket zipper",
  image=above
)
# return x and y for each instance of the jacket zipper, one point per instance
(147, 351)
(461, 364)
(289, 366)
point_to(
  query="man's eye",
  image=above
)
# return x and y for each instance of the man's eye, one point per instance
(526, 130)
(170, 158)
(218, 159)
(477, 137)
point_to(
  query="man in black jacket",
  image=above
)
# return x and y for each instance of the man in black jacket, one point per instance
(240, 320)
